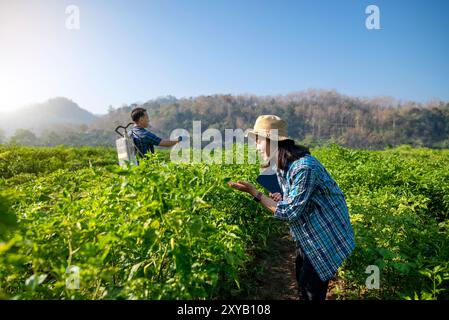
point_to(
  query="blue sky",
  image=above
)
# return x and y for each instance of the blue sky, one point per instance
(133, 51)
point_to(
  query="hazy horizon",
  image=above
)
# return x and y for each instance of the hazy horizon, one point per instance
(238, 94)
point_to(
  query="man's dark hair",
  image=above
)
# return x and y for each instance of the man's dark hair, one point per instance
(137, 113)
(288, 152)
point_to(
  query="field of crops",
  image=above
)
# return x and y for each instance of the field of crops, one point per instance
(174, 231)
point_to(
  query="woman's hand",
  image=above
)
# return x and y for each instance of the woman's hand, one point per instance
(243, 186)
(276, 196)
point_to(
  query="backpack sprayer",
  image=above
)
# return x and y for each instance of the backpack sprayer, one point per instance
(126, 149)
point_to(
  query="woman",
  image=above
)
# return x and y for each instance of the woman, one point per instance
(312, 204)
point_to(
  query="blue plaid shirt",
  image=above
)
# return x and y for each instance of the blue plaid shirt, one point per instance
(144, 139)
(316, 211)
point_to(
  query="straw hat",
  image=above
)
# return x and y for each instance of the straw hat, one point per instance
(264, 126)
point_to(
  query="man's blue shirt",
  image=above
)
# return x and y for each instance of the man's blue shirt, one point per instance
(144, 139)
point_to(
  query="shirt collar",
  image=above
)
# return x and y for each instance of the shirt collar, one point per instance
(283, 173)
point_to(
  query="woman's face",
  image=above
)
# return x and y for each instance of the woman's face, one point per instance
(263, 146)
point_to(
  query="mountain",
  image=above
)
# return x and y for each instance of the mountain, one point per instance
(58, 111)
(314, 117)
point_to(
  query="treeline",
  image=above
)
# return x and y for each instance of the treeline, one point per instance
(315, 117)
(73, 135)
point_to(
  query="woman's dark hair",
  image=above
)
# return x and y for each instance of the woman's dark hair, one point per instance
(288, 152)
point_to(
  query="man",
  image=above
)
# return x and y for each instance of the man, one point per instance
(145, 140)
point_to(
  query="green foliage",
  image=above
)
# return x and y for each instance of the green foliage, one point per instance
(175, 231)
(157, 231)
(8, 220)
(398, 201)
(20, 164)
(23, 136)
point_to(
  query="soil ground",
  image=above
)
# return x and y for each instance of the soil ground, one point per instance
(275, 271)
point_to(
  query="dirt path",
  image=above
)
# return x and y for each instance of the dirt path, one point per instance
(276, 277)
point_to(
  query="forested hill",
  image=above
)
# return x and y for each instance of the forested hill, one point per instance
(314, 117)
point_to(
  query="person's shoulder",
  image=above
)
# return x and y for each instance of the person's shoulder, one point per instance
(141, 130)
(304, 163)
(138, 132)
